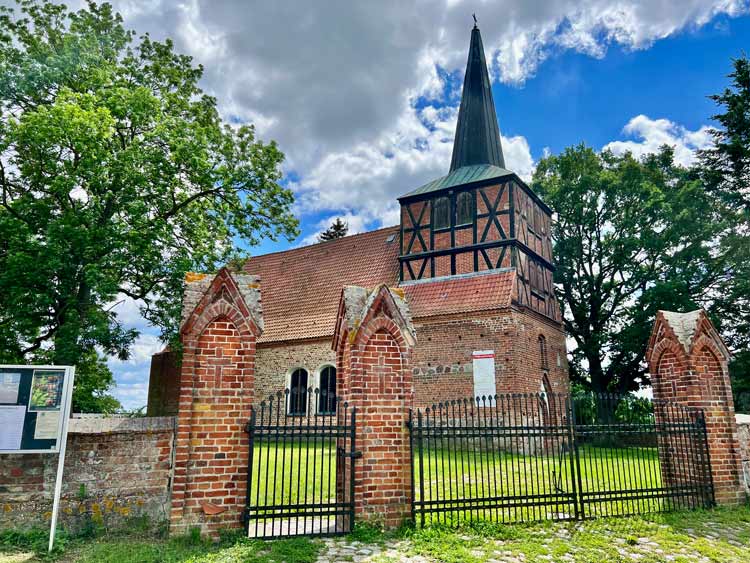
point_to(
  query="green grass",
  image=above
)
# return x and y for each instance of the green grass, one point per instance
(124, 548)
(464, 474)
(715, 536)
(471, 473)
(276, 470)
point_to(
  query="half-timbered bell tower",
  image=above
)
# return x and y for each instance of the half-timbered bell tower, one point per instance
(480, 216)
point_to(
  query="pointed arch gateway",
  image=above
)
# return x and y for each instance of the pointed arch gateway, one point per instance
(373, 340)
(222, 319)
(688, 364)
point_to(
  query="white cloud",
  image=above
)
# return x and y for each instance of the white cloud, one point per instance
(145, 346)
(651, 134)
(336, 83)
(132, 395)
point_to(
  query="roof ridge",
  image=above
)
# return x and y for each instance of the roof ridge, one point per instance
(307, 246)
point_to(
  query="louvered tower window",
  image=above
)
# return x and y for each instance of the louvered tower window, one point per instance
(442, 213)
(465, 208)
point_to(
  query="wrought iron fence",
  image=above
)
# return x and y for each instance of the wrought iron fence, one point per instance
(522, 457)
(301, 467)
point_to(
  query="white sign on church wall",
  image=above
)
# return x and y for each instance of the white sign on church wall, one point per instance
(484, 373)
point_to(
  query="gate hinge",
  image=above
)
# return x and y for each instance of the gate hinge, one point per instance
(353, 455)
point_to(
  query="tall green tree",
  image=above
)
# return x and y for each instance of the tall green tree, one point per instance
(630, 237)
(117, 175)
(725, 170)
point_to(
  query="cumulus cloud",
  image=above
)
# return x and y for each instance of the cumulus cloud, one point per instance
(341, 85)
(145, 346)
(651, 134)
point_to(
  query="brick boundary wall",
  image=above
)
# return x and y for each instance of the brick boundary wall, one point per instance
(688, 363)
(115, 469)
(222, 320)
(373, 342)
(743, 432)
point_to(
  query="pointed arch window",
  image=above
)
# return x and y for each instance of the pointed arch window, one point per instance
(327, 391)
(298, 392)
(441, 214)
(543, 352)
(465, 208)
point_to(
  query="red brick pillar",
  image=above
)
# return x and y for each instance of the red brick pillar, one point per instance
(688, 364)
(221, 322)
(373, 342)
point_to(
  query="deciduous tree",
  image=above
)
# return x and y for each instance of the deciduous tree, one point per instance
(117, 175)
(630, 237)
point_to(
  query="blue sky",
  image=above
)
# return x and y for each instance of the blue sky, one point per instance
(364, 103)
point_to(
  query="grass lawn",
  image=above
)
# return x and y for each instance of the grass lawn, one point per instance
(290, 473)
(715, 536)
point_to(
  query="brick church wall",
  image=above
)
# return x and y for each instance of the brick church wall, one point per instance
(442, 358)
(274, 361)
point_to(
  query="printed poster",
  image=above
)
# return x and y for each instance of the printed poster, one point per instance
(47, 425)
(484, 373)
(11, 427)
(46, 390)
(9, 384)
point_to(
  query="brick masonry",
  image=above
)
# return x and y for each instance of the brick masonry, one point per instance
(442, 360)
(688, 365)
(374, 339)
(115, 469)
(216, 392)
(276, 360)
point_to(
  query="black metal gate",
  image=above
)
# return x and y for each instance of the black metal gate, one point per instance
(524, 457)
(301, 466)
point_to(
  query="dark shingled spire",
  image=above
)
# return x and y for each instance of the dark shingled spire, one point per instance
(477, 134)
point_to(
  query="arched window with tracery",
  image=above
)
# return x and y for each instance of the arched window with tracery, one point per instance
(327, 391)
(298, 392)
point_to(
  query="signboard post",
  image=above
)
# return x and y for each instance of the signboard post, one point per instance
(34, 412)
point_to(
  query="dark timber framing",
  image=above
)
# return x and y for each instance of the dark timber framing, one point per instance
(481, 243)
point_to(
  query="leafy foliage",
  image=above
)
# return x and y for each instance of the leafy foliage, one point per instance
(725, 170)
(117, 175)
(338, 229)
(631, 237)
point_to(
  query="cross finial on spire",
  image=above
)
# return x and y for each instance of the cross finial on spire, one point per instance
(475, 19)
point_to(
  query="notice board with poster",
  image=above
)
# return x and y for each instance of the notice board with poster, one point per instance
(34, 403)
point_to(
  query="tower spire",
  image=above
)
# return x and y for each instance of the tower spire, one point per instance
(477, 133)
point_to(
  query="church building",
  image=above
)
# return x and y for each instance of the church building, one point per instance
(471, 257)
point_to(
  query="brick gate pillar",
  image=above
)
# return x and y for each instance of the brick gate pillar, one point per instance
(221, 321)
(373, 341)
(688, 363)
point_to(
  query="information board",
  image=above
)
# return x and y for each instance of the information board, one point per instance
(33, 404)
(484, 373)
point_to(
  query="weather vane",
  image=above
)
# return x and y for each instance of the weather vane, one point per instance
(475, 19)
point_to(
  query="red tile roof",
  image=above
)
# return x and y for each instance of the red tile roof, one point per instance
(460, 294)
(301, 288)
